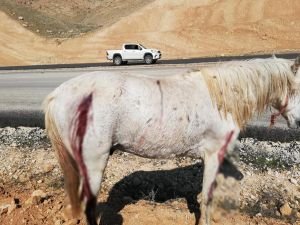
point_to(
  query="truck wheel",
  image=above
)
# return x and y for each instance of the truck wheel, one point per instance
(117, 60)
(148, 59)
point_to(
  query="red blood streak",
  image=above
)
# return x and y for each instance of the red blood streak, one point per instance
(275, 115)
(223, 150)
(221, 155)
(79, 126)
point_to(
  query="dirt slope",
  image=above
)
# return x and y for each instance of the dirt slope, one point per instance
(181, 29)
(68, 18)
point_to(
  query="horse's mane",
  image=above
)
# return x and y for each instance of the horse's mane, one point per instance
(242, 88)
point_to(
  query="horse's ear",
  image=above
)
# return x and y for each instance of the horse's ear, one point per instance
(296, 65)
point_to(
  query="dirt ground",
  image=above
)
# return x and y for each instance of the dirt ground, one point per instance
(49, 32)
(147, 191)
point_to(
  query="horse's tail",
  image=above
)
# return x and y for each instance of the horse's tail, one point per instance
(65, 159)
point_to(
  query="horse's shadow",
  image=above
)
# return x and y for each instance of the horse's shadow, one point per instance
(158, 186)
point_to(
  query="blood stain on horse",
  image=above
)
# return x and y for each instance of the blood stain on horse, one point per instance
(81, 122)
(161, 99)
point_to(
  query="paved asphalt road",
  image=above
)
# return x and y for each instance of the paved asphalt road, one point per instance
(25, 90)
(22, 93)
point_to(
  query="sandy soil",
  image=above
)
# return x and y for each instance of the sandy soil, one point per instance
(181, 29)
(147, 191)
(127, 198)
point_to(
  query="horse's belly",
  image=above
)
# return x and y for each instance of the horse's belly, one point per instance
(163, 139)
(164, 148)
(156, 119)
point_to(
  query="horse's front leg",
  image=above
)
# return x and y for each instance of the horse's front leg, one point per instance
(211, 166)
(212, 163)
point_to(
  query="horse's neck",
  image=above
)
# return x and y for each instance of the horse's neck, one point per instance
(241, 96)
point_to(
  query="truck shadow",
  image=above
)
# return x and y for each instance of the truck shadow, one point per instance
(158, 186)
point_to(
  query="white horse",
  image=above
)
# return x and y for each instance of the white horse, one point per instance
(196, 114)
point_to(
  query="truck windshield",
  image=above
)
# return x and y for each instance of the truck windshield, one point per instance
(142, 46)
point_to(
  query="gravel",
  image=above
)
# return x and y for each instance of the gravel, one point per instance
(268, 154)
(251, 151)
(23, 137)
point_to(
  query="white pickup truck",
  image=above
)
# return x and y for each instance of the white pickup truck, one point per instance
(133, 52)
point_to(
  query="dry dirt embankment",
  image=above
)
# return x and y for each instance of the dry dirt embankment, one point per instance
(181, 29)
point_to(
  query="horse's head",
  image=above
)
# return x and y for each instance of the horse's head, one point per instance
(289, 106)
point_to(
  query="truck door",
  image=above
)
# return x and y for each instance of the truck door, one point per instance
(131, 51)
(128, 52)
(140, 52)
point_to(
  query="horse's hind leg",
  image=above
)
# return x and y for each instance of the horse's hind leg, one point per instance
(83, 175)
(95, 171)
(95, 156)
